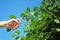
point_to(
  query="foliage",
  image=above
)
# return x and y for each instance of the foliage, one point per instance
(44, 22)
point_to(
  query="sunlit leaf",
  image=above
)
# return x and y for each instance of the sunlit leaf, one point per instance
(56, 20)
(13, 35)
(17, 31)
(58, 29)
(50, 8)
(22, 37)
(12, 17)
(55, 10)
(36, 8)
(43, 15)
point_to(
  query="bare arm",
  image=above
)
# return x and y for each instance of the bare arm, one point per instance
(3, 23)
(11, 24)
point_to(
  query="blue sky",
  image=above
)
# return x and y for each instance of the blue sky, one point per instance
(15, 7)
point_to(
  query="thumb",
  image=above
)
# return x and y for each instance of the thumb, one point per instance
(11, 20)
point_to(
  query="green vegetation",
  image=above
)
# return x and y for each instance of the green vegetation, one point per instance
(43, 23)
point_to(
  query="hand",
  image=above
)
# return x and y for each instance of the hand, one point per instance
(13, 24)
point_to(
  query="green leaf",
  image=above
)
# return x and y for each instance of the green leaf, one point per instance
(43, 7)
(21, 36)
(56, 20)
(55, 10)
(8, 30)
(43, 15)
(26, 28)
(12, 17)
(45, 3)
(17, 31)
(36, 8)
(22, 15)
(50, 8)
(28, 9)
(13, 35)
(58, 29)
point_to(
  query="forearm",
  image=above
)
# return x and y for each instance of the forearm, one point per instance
(3, 23)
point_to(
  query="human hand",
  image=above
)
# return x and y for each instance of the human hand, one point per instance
(13, 24)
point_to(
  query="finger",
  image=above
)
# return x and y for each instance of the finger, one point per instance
(16, 27)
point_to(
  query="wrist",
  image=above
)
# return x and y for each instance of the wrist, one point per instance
(3, 23)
